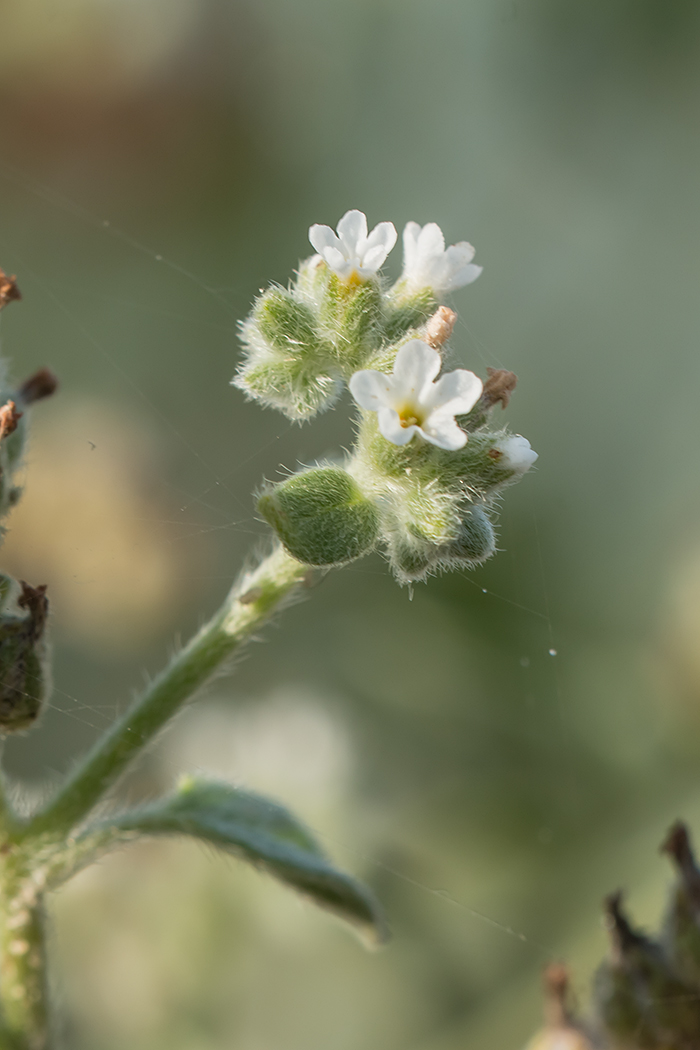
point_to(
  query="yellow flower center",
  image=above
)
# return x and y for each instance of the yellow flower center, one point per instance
(409, 417)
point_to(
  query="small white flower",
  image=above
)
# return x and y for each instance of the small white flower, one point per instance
(410, 402)
(352, 251)
(516, 453)
(428, 264)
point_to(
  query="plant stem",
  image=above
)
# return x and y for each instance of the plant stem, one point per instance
(23, 993)
(250, 603)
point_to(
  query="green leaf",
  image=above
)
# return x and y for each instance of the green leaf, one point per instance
(261, 832)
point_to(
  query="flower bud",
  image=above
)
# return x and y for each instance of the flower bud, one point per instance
(682, 926)
(288, 365)
(561, 1031)
(428, 533)
(475, 541)
(321, 516)
(641, 1001)
(352, 316)
(23, 674)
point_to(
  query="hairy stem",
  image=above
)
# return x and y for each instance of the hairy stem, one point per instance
(24, 1024)
(249, 604)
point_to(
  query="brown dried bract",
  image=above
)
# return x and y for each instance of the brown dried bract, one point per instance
(40, 385)
(9, 292)
(9, 418)
(440, 327)
(498, 387)
(34, 599)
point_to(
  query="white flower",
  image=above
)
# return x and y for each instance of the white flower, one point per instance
(352, 251)
(428, 264)
(515, 453)
(409, 402)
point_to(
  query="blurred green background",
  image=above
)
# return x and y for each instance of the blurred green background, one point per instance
(160, 161)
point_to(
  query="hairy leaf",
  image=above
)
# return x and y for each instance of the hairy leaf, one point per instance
(261, 832)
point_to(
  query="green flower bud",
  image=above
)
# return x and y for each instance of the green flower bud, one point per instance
(321, 516)
(288, 365)
(24, 681)
(441, 541)
(682, 926)
(642, 1002)
(293, 386)
(475, 541)
(352, 317)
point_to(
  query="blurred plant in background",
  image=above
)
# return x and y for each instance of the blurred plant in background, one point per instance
(524, 785)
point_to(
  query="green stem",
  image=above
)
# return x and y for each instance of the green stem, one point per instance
(249, 604)
(23, 994)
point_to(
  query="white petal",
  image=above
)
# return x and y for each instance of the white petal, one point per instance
(323, 237)
(374, 258)
(411, 233)
(461, 253)
(372, 390)
(463, 277)
(415, 367)
(383, 235)
(431, 241)
(455, 393)
(352, 230)
(390, 427)
(337, 261)
(516, 453)
(444, 433)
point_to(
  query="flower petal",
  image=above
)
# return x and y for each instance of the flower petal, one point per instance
(454, 393)
(516, 453)
(431, 240)
(337, 261)
(411, 233)
(352, 231)
(463, 277)
(372, 390)
(390, 427)
(415, 367)
(443, 432)
(384, 235)
(461, 253)
(374, 258)
(322, 237)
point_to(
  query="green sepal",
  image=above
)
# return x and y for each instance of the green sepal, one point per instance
(405, 314)
(321, 516)
(288, 324)
(257, 830)
(475, 541)
(292, 385)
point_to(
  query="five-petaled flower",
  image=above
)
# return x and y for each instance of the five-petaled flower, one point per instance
(428, 264)
(352, 252)
(409, 402)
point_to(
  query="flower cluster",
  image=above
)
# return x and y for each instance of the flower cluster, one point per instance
(422, 481)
